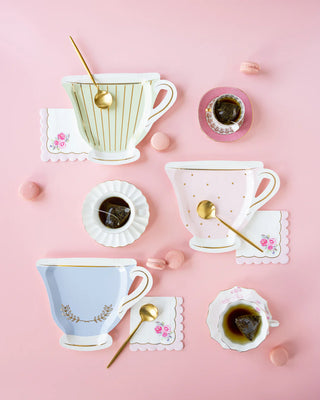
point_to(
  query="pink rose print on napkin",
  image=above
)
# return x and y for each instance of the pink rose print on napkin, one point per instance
(269, 244)
(163, 330)
(158, 329)
(61, 136)
(60, 142)
(263, 242)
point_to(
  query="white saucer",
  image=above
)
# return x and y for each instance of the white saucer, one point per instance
(133, 228)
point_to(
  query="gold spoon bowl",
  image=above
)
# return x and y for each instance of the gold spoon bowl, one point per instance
(207, 210)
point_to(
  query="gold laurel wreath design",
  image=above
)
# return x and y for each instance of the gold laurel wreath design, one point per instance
(66, 312)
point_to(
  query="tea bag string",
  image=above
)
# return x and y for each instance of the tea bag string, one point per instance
(107, 212)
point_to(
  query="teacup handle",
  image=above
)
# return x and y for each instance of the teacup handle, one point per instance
(269, 191)
(166, 103)
(274, 323)
(235, 127)
(144, 287)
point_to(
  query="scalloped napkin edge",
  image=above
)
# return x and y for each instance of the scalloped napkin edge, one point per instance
(166, 332)
(269, 229)
(60, 137)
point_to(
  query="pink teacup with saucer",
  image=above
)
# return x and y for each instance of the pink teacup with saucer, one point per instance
(209, 122)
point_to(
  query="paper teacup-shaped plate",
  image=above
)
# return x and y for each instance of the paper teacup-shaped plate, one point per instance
(115, 213)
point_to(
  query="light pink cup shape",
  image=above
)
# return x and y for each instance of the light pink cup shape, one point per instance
(231, 186)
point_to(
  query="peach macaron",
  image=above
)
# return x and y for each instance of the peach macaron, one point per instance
(29, 190)
(160, 141)
(279, 356)
(250, 67)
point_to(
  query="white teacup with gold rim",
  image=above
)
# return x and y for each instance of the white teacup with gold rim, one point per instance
(113, 133)
(231, 186)
(89, 297)
(229, 308)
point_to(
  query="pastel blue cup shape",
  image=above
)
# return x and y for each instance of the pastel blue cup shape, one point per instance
(89, 297)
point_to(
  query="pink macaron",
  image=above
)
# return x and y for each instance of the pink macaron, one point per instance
(156, 263)
(279, 356)
(160, 141)
(174, 258)
(29, 190)
(250, 67)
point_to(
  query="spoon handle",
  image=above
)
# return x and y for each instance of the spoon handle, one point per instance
(239, 234)
(83, 62)
(124, 345)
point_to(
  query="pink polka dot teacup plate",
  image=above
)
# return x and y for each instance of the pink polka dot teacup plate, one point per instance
(231, 186)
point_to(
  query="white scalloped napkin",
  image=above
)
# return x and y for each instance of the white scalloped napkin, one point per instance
(165, 333)
(268, 229)
(60, 137)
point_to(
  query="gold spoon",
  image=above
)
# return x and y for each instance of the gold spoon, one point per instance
(148, 312)
(102, 99)
(207, 210)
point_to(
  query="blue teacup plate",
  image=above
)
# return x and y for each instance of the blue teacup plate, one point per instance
(89, 296)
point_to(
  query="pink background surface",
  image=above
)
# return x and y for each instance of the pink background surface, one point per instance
(196, 45)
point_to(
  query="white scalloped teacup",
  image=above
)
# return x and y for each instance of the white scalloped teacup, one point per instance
(262, 333)
(234, 297)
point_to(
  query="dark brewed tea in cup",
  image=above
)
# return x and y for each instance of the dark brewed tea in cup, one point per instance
(114, 212)
(241, 323)
(227, 110)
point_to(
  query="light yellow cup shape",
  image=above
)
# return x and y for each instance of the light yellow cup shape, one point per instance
(113, 133)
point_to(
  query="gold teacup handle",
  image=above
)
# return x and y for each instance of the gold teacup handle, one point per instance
(144, 287)
(165, 104)
(271, 189)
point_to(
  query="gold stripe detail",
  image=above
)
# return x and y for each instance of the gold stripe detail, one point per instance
(129, 115)
(85, 266)
(85, 107)
(124, 96)
(213, 169)
(94, 114)
(134, 129)
(81, 117)
(85, 345)
(109, 125)
(205, 247)
(120, 159)
(268, 194)
(115, 121)
(104, 139)
(108, 83)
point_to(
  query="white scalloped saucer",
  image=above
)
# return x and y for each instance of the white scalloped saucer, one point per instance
(128, 233)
